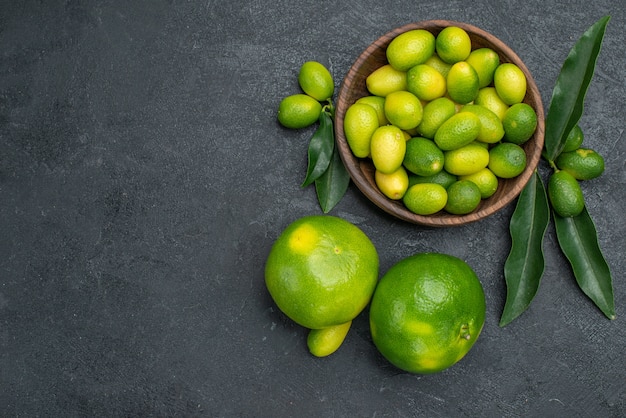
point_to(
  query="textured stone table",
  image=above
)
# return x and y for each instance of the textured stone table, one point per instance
(143, 179)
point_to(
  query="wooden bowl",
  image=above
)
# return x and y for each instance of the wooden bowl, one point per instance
(361, 171)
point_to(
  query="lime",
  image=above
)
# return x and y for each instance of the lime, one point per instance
(565, 194)
(486, 181)
(507, 160)
(316, 81)
(462, 83)
(403, 109)
(425, 82)
(466, 160)
(510, 83)
(359, 123)
(425, 198)
(519, 123)
(385, 80)
(378, 103)
(582, 164)
(574, 139)
(423, 157)
(427, 312)
(463, 197)
(387, 148)
(443, 178)
(321, 272)
(434, 114)
(491, 129)
(488, 97)
(453, 44)
(410, 49)
(484, 61)
(298, 111)
(457, 131)
(392, 185)
(438, 64)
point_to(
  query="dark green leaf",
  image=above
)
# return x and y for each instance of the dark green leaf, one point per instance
(566, 106)
(578, 239)
(320, 151)
(524, 266)
(332, 185)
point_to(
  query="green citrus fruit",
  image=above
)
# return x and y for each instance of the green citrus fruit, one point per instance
(298, 111)
(519, 123)
(316, 81)
(453, 44)
(438, 64)
(466, 160)
(425, 82)
(491, 129)
(574, 139)
(427, 312)
(443, 178)
(385, 80)
(488, 97)
(507, 160)
(403, 109)
(425, 198)
(359, 123)
(434, 114)
(392, 185)
(582, 164)
(565, 194)
(387, 148)
(462, 83)
(410, 49)
(484, 61)
(486, 181)
(510, 83)
(423, 157)
(463, 197)
(378, 103)
(457, 131)
(321, 272)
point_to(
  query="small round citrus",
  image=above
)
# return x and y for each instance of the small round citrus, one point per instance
(463, 197)
(519, 123)
(484, 61)
(457, 131)
(387, 149)
(510, 83)
(426, 82)
(392, 185)
(443, 178)
(385, 80)
(468, 159)
(486, 181)
(491, 129)
(359, 123)
(316, 81)
(453, 44)
(298, 111)
(321, 271)
(565, 194)
(423, 157)
(427, 312)
(438, 64)
(425, 198)
(378, 103)
(507, 160)
(574, 139)
(488, 97)
(434, 114)
(403, 109)
(410, 49)
(462, 83)
(582, 164)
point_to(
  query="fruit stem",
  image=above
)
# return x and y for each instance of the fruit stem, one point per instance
(465, 332)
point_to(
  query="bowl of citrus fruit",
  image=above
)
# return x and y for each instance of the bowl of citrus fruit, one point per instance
(439, 123)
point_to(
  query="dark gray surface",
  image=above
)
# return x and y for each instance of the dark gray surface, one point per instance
(143, 179)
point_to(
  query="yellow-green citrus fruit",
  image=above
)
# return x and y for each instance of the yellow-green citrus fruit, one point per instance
(565, 194)
(378, 103)
(510, 83)
(392, 185)
(582, 164)
(427, 312)
(574, 139)
(453, 44)
(439, 64)
(519, 123)
(316, 81)
(410, 49)
(442, 178)
(491, 129)
(484, 61)
(359, 124)
(459, 130)
(323, 342)
(321, 271)
(463, 197)
(387, 148)
(425, 198)
(462, 83)
(434, 114)
(298, 111)
(425, 82)
(488, 97)
(403, 109)
(423, 157)
(507, 160)
(486, 181)
(385, 80)
(466, 160)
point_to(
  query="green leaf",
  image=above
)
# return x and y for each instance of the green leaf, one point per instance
(320, 151)
(566, 106)
(578, 240)
(524, 266)
(332, 185)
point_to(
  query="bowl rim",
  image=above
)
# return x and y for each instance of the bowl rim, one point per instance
(357, 167)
